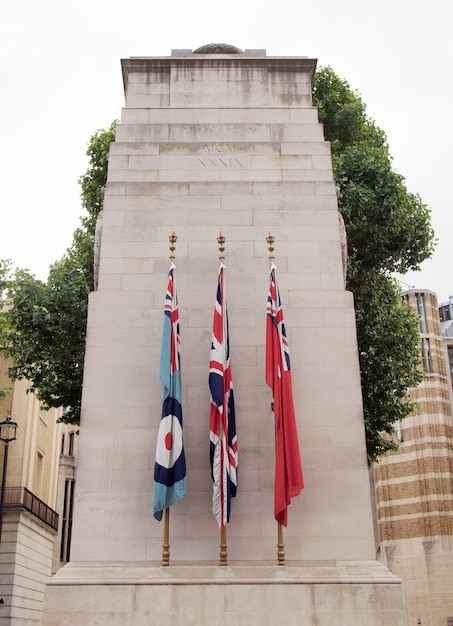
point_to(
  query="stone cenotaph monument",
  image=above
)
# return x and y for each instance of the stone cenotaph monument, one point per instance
(221, 140)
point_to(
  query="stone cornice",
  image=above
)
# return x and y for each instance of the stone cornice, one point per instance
(232, 61)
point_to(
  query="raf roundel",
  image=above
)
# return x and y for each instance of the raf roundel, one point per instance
(169, 441)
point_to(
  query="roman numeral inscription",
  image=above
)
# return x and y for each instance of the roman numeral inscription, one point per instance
(220, 155)
(220, 162)
(220, 148)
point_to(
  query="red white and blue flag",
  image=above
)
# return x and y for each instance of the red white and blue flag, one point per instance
(288, 469)
(170, 465)
(223, 440)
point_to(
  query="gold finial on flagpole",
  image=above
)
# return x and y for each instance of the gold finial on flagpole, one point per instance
(270, 241)
(172, 239)
(221, 241)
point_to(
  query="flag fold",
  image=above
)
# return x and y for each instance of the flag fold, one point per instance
(223, 440)
(288, 468)
(170, 465)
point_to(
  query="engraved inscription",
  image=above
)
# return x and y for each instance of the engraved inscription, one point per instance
(220, 148)
(220, 155)
(220, 162)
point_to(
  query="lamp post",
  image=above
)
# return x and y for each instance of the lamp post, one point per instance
(7, 434)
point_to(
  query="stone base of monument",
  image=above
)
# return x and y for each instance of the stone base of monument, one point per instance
(326, 593)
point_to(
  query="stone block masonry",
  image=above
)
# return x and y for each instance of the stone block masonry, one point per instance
(221, 142)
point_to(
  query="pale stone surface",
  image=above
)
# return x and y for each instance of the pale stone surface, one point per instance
(25, 568)
(224, 172)
(333, 592)
(232, 144)
(425, 565)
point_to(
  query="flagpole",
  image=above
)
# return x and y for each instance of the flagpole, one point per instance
(166, 541)
(280, 546)
(223, 534)
(280, 541)
(223, 547)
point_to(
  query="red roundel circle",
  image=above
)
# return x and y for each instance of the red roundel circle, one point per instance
(169, 441)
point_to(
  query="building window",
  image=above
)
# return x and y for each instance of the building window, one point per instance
(71, 444)
(450, 359)
(66, 523)
(427, 360)
(62, 444)
(399, 431)
(421, 310)
(445, 313)
(38, 481)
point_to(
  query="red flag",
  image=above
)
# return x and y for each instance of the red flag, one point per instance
(289, 480)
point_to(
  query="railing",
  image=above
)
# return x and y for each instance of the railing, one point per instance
(22, 498)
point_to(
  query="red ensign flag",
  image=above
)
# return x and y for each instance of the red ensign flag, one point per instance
(289, 480)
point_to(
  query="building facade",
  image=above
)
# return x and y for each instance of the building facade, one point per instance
(35, 488)
(446, 323)
(414, 485)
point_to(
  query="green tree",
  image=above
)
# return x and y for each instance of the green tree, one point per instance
(43, 324)
(388, 230)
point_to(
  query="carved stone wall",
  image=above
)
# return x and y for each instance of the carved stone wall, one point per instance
(229, 142)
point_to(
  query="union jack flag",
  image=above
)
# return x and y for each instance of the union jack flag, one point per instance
(170, 465)
(223, 440)
(288, 469)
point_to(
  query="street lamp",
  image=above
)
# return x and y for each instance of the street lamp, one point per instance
(7, 434)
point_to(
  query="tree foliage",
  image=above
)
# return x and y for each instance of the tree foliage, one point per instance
(388, 230)
(94, 179)
(43, 324)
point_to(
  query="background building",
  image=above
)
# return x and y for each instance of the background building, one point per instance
(40, 476)
(414, 486)
(67, 468)
(446, 323)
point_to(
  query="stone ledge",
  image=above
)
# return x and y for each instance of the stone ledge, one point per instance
(197, 573)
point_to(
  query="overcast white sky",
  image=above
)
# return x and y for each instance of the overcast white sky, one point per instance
(61, 81)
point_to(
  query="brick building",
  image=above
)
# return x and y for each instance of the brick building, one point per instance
(414, 486)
